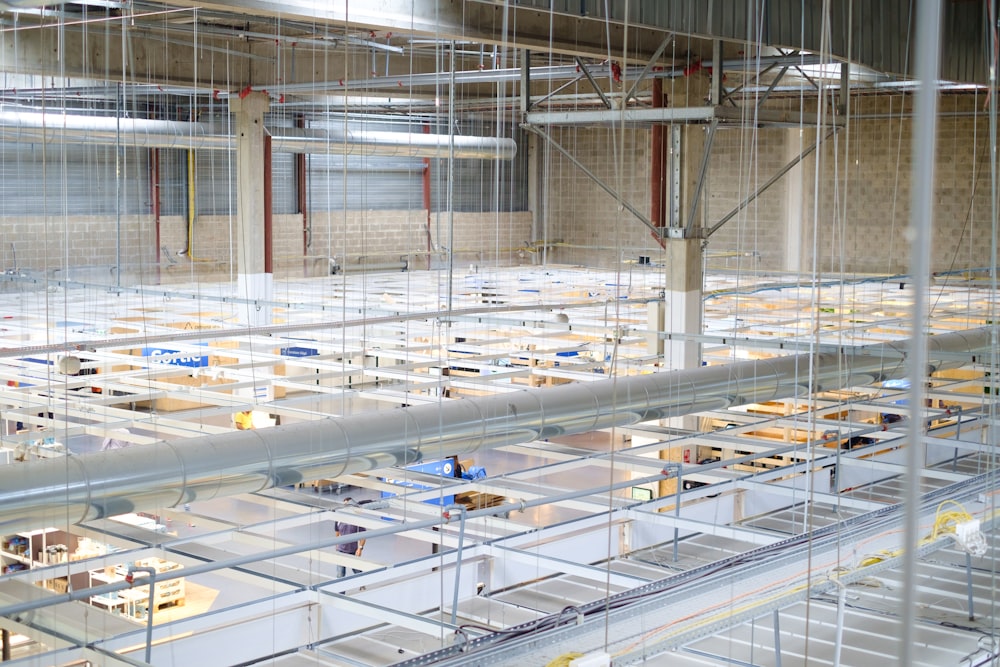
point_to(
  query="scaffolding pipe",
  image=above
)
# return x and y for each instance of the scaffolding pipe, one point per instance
(36, 127)
(77, 489)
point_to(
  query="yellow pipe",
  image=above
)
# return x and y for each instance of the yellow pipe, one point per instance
(191, 210)
(191, 193)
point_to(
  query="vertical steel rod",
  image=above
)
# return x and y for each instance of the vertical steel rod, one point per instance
(151, 571)
(777, 638)
(525, 81)
(839, 642)
(677, 509)
(458, 561)
(968, 573)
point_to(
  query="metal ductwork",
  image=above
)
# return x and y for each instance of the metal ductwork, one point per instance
(75, 489)
(35, 127)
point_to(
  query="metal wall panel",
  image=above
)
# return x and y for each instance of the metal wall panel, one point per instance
(382, 183)
(72, 180)
(284, 194)
(215, 184)
(358, 183)
(173, 182)
(966, 50)
(80, 180)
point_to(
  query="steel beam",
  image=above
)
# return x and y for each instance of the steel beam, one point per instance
(582, 66)
(622, 116)
(737, 533)
(645, 70)
(702, 173)
(647, 116)
(770, 88)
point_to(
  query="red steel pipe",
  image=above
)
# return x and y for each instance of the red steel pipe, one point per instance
(268, 205)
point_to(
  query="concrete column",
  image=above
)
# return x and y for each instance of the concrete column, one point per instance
(681, 310)
(253, 282)
(682, 304)
(795, 142)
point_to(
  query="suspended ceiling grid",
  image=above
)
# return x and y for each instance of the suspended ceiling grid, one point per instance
(389, 338)
(753, 449)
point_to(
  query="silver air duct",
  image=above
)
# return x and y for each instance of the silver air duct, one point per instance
(146, 478)
(35, 127)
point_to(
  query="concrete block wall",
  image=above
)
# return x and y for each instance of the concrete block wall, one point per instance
(379, 236)
(858, 214)
(862, 224)
(70, 247)
(490, 237)
(586, 222)
(740, 162)
(86, 247)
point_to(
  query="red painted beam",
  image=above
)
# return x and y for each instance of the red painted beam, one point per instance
(657, 211)
(302, 192)
(268, 205)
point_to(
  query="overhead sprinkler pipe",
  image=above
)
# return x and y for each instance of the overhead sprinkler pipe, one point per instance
(38, 127)
(76, 489)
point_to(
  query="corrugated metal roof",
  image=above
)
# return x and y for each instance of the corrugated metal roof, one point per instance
(875, 33)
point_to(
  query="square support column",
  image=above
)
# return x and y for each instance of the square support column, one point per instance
(682, 306)
(795, 244)
(253, 281)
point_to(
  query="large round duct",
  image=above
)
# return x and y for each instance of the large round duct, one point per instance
(37, 127)
(82, 488)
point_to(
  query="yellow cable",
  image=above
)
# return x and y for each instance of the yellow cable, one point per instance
(945, 522)
(563, 660)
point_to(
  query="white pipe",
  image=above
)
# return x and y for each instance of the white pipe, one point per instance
(75, 489)
(924, 141)
(39, 127)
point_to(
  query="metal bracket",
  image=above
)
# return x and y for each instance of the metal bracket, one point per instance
(685, 233)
